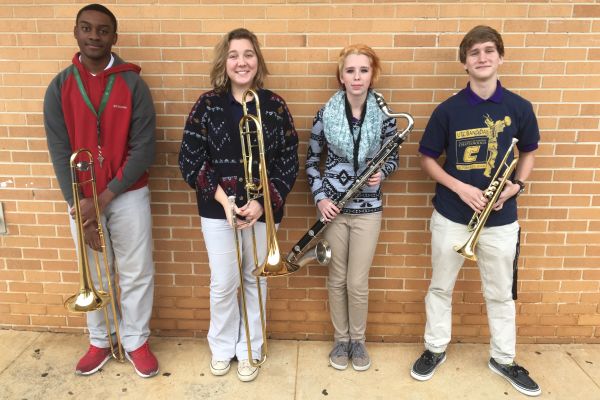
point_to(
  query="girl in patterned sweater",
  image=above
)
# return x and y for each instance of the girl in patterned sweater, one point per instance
(211, 163)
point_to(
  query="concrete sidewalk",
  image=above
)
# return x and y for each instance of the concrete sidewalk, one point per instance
(36, 365)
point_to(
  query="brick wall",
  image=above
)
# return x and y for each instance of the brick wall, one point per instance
(552, 58)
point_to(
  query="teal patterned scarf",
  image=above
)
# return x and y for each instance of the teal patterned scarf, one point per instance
(339, 134)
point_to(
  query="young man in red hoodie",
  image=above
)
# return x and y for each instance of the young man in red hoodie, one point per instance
(100, 103)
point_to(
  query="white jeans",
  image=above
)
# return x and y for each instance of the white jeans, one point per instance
(127, 227)
(226, 333)
(495, 251)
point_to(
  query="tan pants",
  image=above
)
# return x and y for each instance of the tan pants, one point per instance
(353, 239)
(496, 252)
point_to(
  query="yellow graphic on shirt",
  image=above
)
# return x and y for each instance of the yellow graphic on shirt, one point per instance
(495, 128)
(469, 143)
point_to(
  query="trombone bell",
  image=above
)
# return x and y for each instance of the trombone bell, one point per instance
(88, 299)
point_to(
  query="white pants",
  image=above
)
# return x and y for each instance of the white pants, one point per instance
(127, 227)
(226, 333)
(495, 251)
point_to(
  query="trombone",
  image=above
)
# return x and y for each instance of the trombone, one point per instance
(251, 137)
(492, 193)
(275, 265)
(88, 297)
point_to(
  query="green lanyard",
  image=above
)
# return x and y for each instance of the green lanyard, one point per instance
(103, 102)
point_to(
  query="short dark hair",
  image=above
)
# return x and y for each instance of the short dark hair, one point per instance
(99, 8)
(480, 34)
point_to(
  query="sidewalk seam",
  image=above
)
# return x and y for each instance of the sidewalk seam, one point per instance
(297, 365)
(25, 348)
(583, 370)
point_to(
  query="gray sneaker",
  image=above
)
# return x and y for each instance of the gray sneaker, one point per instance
(360, 356)
(338, 358)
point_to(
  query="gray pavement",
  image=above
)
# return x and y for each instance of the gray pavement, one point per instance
(40, 365)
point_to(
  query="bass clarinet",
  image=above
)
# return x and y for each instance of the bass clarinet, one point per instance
(310, 247)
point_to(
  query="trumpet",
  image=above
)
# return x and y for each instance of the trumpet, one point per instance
(492, 193)
(88, 297)
(310, 247)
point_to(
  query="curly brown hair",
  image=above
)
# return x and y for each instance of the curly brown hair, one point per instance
(218, 73)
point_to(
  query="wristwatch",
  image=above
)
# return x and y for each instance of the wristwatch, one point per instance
(521, 187)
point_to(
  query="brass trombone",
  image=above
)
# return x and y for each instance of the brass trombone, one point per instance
(492, 193)
(251, 136)
(275, 264)
(89, 298)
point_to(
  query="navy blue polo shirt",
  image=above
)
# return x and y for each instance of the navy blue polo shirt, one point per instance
(475, 134)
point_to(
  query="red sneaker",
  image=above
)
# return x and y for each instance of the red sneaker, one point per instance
(144, 362)
(93, 360)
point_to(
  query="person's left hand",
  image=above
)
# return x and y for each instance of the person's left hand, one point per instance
(375, 179)
(510, 190)
(250, 212)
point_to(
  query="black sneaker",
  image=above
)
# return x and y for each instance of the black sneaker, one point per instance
(517, 376)
(425, 366)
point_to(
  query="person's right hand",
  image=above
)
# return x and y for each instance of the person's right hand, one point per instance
(91, 235)
(87, 209)
(472, 196)
(328, 210)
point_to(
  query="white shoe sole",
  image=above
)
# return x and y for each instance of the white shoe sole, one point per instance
(339, 367)
(93, 371)
(361, 368)
(427, 377)
(527, 392)
(248, 378)
(220, 372)
(138, 372)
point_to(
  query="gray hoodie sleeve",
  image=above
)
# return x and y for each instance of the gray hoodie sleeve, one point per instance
(141, 135)
(59, 145)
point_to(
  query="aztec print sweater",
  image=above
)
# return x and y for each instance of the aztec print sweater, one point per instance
(339, 172)
(211, 151)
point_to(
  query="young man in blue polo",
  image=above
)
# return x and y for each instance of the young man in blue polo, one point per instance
(475, 129)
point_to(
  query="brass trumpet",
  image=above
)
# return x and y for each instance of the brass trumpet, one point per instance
(492, 193)
(88, 297)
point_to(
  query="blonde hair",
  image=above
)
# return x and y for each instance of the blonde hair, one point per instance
(218, 73)
(359, 49)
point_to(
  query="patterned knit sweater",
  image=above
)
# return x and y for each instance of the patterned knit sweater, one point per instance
(339, 172)
(211, 152)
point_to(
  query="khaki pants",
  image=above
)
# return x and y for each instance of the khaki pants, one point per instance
(495, 252)
(353, 239)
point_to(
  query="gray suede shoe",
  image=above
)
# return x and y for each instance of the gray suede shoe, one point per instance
(360, 357)
(338, 358)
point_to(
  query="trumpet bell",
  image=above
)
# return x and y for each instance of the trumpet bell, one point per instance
(466, 251)
(87, 300)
